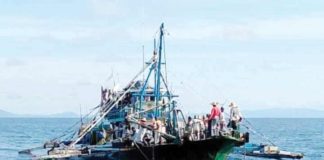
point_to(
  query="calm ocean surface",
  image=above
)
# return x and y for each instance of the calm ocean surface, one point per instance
(296, 135)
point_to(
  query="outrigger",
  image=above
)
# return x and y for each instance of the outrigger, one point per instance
(138, 106)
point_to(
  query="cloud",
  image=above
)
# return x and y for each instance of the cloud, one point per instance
(13, 62)
(286, 28)
(63, 83)
(48, 84)
(298, 28)
(22, 20)
(212, 31)
(68, 34)
(30, 28)
(14, 97)
(108, 7)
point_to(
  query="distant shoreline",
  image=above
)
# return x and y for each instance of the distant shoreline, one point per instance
(284, 113)
(79, 118)
(39, 118)
(6, 114)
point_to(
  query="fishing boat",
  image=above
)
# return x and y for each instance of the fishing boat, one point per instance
(149, 110)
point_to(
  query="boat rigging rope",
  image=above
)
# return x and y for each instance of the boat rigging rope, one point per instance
(67, 131)
(144, 155)
(139, 112)
(255, 132)
(165, 66)
(96, 121)
(247, 127)
(165, 83)
(131, 119)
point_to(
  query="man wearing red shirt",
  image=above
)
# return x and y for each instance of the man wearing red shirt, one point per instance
(214, 116)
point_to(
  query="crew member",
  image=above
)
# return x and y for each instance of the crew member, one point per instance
(214, 117)
(235, 116)
(222, 119)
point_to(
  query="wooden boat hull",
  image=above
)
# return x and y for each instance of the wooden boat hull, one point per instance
(214, 148)
(276, 155)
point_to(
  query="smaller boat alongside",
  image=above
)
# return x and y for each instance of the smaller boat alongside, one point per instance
(266, 151)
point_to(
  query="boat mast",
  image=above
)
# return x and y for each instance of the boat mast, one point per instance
(158, 69)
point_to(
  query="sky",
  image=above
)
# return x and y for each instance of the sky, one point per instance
(56, 54)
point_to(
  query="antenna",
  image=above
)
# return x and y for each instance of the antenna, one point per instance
(81, 115)
(143, 61)
(112, 70)
(154, 46)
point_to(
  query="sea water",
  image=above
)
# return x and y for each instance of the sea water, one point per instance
(296, 135)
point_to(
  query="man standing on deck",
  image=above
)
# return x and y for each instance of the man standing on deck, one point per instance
(235, 116)
(214, 116)
(142, 131)
(222, 119)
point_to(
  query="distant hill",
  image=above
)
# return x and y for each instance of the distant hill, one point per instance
(4, 114)
(262, 113)
(63, 115)
(284, 113)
